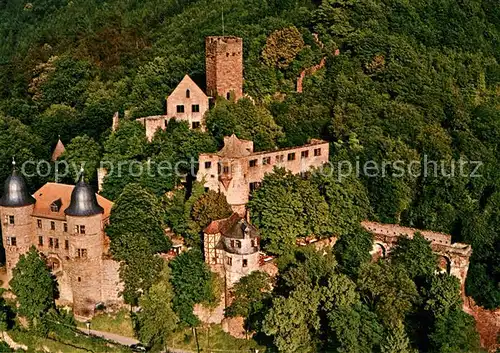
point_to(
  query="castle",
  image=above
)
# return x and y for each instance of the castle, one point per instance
(224, 78)
(236, 170)
(66, 224)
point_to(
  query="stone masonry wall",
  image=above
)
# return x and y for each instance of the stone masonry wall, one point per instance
(224, 66)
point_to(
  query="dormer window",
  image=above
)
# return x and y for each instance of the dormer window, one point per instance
(56, 205)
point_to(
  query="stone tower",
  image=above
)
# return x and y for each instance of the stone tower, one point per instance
(16, 207)
(84, 219)
(224, 66)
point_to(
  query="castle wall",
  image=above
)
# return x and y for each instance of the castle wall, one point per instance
(152, 124)
(224, 66)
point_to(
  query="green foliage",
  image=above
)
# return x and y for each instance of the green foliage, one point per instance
(58, 120)
(286, 207)
(136, 232)
(157, 320)
(353, 250)
(191, 280)
(34, 287)
(415, 256)
(282, 46)
(210, 207)
(250, 298)
(84, 152)
(246, 120)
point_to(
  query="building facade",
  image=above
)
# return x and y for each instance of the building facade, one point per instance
(224, 66)
(186, 103)
(236, 170)
(232, 244)
(66, 224)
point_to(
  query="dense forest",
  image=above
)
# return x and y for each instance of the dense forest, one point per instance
(403, 80)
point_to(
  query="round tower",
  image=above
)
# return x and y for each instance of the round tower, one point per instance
(16, 208)
(84, 218)
(241, 251)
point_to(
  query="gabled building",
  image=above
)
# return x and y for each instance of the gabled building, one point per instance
(66, 224)
(186, 103)
(232, 244)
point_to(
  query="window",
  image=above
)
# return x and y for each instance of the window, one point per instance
(291, 156)
(253, 243)
(226, 169)
(188, 93)
(40, 240)
(51, 242)
(228, 95)
(229, 261)
(80, 229)
(208, 165)
(81, 253)
(232, 243)
(66, 244)
(180, 108)
(280, 158)
(79, 279)
(245, 262)
(53, 225)
(56, 205)
(39, 223)
(253, 163)
(11, 220)
(317, 152)
(12, 241)
(65, 226)
(56, 243)
(195, 108)
(195, 125)
(266, 160)
(238, 244)
(304, 154)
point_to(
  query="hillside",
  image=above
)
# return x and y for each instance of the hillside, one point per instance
(412, 79)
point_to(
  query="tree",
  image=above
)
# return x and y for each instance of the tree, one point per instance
(210, 207)
(157, 319)
(191, 280)
(84, 152)
(246, 120)
(250, 297)
(353, 250)
(286, 207)
(282, 46)
(136, 232)
(34, 287)
(127, 143)
(415, 256)
(58, 120)
(388, 291)
(397, 341)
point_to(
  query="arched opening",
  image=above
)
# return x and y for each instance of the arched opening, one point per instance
(188, 93)
(54, 264)
(379, 251)
(228, 95)
(444, 264)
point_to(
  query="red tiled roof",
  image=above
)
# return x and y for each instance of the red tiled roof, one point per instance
(51, 192)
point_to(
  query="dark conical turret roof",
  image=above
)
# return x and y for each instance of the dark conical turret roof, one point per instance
(15, 192)
(83, 201)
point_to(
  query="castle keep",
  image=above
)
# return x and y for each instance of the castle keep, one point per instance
(188, 102)
(66, 224)
(236, 169)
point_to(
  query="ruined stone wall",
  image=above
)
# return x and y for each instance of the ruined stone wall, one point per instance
(111, 286)
(152, 124)
(241, 172)
(224, 66)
